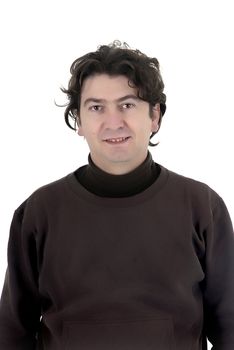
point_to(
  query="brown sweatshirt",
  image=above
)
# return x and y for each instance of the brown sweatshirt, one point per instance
(154, 270)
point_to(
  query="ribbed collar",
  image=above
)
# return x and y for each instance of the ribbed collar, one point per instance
(104, 184)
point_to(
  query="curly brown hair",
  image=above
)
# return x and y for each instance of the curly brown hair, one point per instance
(116, 59)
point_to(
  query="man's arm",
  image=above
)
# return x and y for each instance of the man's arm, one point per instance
(219, 281)
(20, 303)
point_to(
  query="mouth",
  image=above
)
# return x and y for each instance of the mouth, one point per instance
(118, 140)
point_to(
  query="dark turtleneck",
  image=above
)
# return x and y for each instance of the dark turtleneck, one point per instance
(104, 184)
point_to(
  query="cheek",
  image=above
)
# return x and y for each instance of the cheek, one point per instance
(87, 129)
(92, 136)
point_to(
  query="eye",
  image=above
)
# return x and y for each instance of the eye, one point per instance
(95, 108)
(128, 105)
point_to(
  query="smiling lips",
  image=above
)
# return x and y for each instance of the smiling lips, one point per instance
(117, 140)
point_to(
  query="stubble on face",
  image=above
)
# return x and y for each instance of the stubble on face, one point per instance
(117, 129)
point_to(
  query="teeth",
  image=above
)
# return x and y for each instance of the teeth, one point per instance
(117, 140)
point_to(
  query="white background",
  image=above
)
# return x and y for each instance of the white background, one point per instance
(193, 41)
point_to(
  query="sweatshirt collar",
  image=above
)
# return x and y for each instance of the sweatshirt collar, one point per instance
(104, 184)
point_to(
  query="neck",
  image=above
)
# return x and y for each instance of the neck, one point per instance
(105, 184)
(119, 168)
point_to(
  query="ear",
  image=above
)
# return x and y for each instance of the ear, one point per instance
(80, 131)
(155, 117)
(79, 127)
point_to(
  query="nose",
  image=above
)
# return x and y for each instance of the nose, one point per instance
(114, 119)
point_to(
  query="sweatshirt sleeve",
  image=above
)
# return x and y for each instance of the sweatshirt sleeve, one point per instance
(219, 280)
(20, 302)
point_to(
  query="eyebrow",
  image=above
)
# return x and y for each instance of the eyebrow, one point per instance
(101, 100)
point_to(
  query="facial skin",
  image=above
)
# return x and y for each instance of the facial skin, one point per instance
(109, 111)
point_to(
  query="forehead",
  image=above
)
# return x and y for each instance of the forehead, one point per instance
(104, 86)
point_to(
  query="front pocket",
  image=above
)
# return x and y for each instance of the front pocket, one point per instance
(142, 334)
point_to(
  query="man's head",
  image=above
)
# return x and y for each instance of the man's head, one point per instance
(116, 59)
(116, 92)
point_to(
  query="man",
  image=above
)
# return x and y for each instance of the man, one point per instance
(121, 253)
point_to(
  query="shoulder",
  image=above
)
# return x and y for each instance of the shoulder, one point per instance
(197, 192)
(47, 195)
